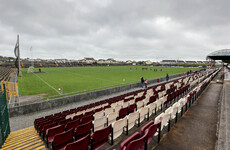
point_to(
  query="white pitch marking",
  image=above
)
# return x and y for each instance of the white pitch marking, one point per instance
(48, 84)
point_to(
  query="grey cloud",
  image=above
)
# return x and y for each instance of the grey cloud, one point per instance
(131, 29)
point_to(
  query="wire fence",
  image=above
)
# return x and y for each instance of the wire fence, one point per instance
(4, 117)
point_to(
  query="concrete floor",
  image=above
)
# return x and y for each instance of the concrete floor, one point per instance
(224, 117)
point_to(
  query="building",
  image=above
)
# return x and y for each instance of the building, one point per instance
(61, 60)
(129, 62)
(148, 62)
(200, 62)
(190, 62)
(168, 62)
(101, 61)
(89, 60)
(110, 61)
(180, 62)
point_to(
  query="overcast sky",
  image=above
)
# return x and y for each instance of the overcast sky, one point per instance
(119, 29)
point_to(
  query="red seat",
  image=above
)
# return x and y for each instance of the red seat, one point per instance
(62, 139)
(132, 108)
(83, 130)
(50, 133)
(125, 143)
(55, 117)
(81, 144)
(137, 99)
(58, 114)
(139, 143)
(123, 112)
(90, 113)
(86, 119)
(99, 109)
(72, 124)
(152, 130)
(72, 110)
(58, 119)
(145, 127)
(108, 106)
(126, 100)
(38, 120)
(152, 98)
(78, 117)
(64, 121)
(67, 112)
(100, 137)
(42, 124)
(50, 116)
(46, 127)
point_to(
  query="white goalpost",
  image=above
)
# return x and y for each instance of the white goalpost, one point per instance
(31, 68)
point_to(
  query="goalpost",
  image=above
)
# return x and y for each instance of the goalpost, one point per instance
(31, 68)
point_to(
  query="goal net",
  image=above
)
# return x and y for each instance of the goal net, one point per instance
(30, 69)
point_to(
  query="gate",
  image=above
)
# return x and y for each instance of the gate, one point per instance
(4, 117)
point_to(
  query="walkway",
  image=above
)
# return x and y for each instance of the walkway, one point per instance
(197, 128)
(224, 123)
(26, 139)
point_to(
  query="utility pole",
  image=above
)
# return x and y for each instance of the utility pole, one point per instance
(32, 59)
(19, 62)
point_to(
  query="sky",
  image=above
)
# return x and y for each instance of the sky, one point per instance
(120, 29)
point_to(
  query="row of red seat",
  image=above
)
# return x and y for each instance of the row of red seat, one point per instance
(127, 110)
(65, 139)
(41, 125)
(176, 93)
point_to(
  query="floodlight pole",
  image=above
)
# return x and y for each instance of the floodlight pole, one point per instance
(32, 59)
(19, 62)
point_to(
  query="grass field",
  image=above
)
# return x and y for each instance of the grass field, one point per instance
(82, 79)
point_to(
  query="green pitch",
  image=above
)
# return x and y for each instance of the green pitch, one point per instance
(82, 79)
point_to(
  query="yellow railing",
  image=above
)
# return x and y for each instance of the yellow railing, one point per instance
(11, 89)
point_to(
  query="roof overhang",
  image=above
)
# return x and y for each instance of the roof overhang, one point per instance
(219, 57)
(223, 55)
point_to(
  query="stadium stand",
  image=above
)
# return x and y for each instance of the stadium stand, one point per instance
(8, 78)
(5, 74)
(169, 99)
